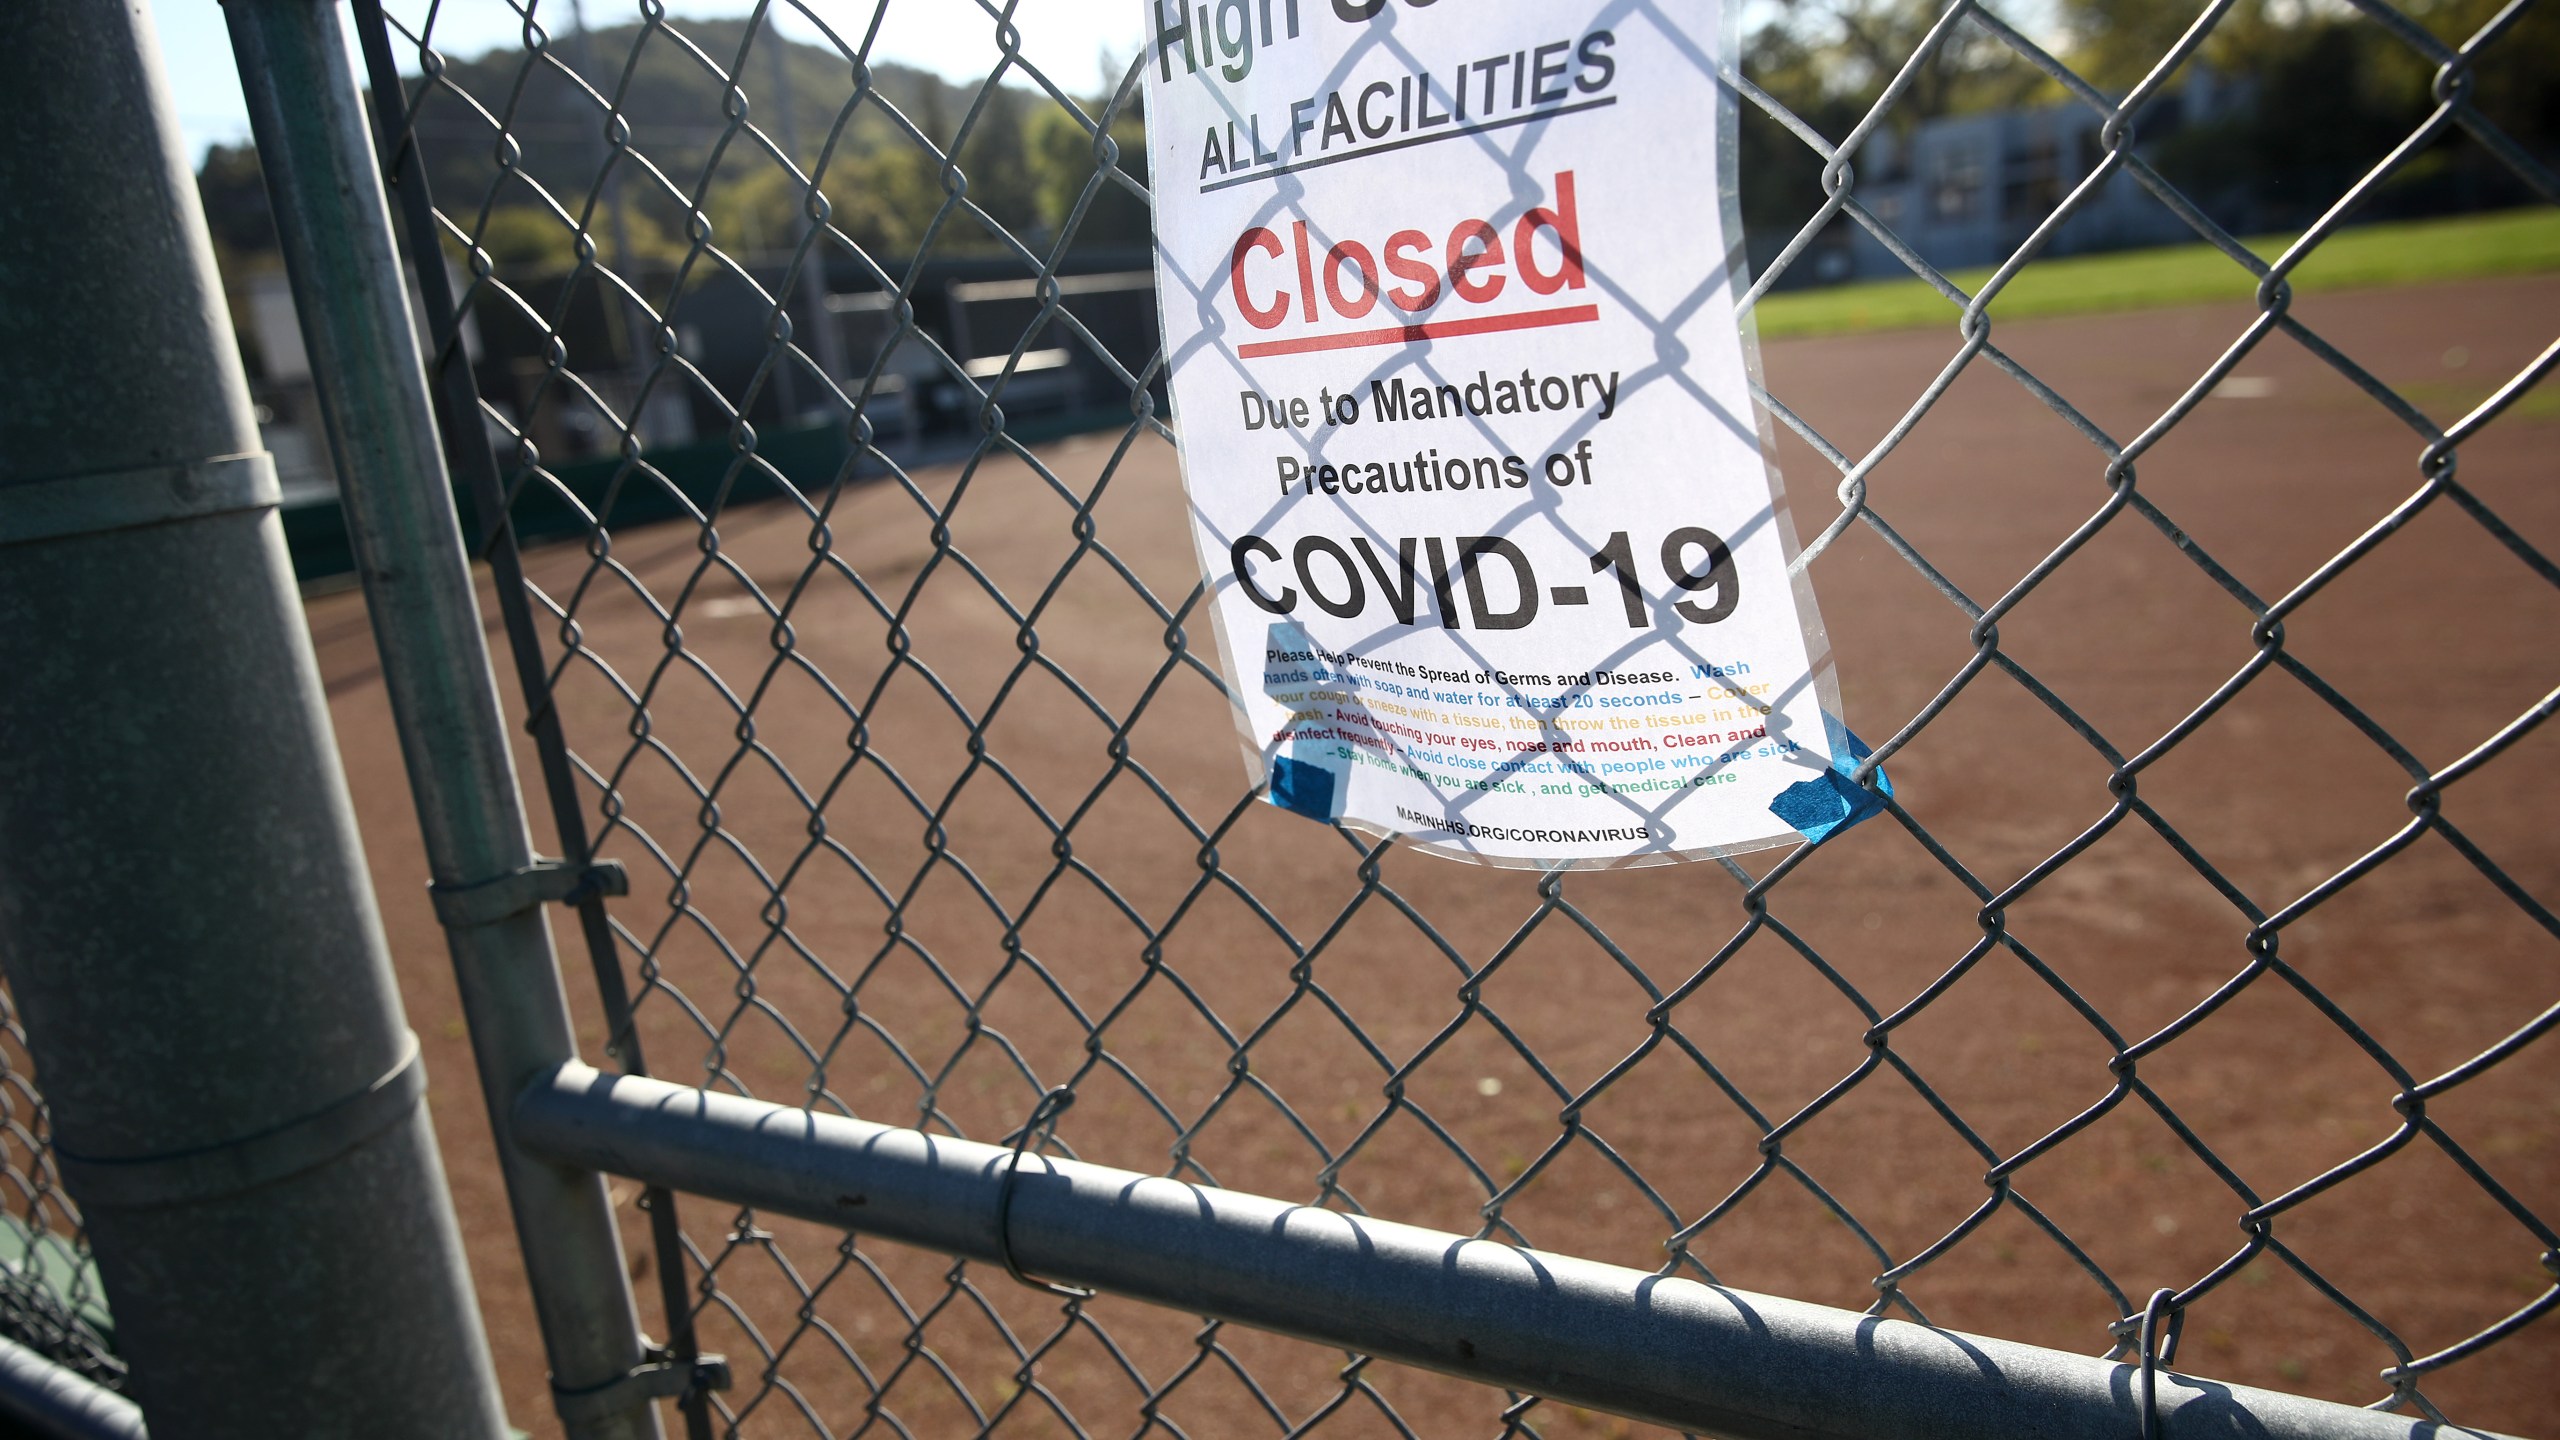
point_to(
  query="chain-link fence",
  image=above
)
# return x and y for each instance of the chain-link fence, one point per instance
(2202, 946)
(50, 1299)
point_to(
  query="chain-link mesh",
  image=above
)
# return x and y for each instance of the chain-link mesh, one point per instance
(2205, 943)
(50, 1299)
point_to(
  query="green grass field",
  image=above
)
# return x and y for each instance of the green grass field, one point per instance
(2507, 243)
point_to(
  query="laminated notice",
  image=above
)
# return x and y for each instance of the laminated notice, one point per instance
(1496, 558)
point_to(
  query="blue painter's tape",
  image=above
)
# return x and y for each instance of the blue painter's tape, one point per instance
(1310, 779)
(1831, 800)
(1303, 787)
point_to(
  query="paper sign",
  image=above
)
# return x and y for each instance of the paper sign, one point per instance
(1497, 562)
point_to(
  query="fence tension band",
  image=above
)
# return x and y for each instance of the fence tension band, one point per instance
(234, 1166)
(122, 499)
(660, 1376)
(483, 902)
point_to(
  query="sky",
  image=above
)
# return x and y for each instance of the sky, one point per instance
(1067, 39)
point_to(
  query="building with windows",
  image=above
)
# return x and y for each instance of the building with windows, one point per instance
(1967, 190)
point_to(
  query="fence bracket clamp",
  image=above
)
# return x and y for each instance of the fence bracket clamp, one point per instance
(658, 1376)
(481, 902)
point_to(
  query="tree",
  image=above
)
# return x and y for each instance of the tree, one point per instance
(1063, 158)
(1828, 62)
(1847, 51)
(996, 159)
(2326, 94)
(234, 194)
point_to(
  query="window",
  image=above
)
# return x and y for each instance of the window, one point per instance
(2032, 187)
(1955, 183)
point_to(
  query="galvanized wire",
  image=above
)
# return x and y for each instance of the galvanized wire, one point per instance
(829, 917)
(50, 1299)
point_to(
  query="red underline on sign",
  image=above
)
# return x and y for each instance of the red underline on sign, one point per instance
(1429, 330)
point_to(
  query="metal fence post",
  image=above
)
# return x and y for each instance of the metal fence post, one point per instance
(184, 908)
(316, 147)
